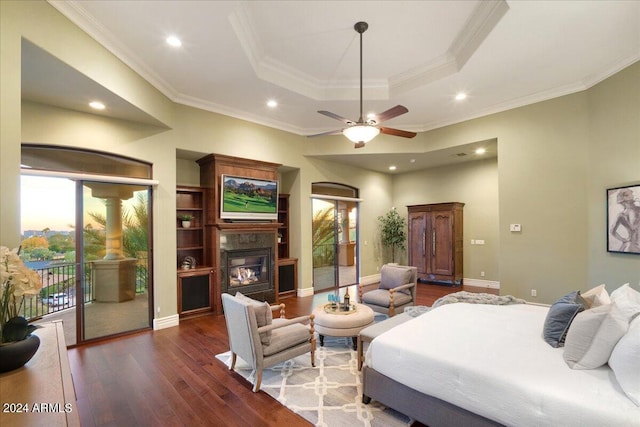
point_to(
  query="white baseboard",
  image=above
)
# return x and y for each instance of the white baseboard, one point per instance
(477, 283)
(305, 292)
(166, 322)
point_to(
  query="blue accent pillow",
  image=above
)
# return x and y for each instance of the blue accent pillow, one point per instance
(560, 316)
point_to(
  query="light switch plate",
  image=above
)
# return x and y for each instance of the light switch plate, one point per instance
(515, 227)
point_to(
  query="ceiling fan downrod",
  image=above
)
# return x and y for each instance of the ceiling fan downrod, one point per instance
(360, 28)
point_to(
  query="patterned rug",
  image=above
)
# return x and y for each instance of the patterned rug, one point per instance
(329, 395)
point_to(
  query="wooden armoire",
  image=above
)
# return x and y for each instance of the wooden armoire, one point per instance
(435, 242)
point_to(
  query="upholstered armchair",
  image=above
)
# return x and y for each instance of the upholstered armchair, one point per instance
(262, 341)
(397, 290)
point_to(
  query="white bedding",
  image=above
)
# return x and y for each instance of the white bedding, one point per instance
(492, 360)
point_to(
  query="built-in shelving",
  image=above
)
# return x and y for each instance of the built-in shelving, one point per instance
(283, 227)
(190, 241)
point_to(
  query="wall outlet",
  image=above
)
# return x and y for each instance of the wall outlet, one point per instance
(482, 274)
(534, 293)
(158, 309)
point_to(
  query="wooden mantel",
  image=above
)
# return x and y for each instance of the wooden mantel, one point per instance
(212, 167)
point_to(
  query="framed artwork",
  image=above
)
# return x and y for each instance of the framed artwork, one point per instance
(623, 219)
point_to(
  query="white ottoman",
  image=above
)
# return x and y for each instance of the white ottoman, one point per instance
(340, 324)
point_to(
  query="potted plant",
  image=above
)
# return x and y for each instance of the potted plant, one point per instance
(392, 231)
(186, 220)
(17, 282)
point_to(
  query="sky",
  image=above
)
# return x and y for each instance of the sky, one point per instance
(47, 202)
(50, 203)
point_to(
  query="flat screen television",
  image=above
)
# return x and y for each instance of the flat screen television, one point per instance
(248, 198)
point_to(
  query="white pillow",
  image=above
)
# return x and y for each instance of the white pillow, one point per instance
(625, 362)
(627, 299)
(592, 336)
(596, 296)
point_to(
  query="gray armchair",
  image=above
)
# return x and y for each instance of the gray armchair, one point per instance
(261, 342)
(397, 290)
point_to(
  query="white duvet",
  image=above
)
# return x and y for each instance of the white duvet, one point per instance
(492, 360)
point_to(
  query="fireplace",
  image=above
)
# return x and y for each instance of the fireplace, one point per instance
(248, 270)
(247, 264)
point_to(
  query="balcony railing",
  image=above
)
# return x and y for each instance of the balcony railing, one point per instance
(59, 288)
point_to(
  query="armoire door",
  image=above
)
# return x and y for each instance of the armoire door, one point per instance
(441, 243)
(417, 244)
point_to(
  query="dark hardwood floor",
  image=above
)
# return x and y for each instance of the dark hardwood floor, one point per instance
(171, 377)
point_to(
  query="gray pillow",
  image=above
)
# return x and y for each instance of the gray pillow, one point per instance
(560, 316)
(263, 314)
(392, 276)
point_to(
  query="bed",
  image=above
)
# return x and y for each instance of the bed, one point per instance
(478, 365)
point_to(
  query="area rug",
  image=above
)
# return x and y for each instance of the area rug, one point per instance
(327, 395)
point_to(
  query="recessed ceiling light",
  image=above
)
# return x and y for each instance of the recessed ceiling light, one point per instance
(173, 41)
(392, 168)
(97, 105)
(272, 103)
(460, 96)
(412, 161)
(481, 150)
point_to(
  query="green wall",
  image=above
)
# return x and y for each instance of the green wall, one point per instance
(555, 160)
(476, 185)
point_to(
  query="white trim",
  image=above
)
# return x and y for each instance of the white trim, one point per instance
(305, 292)
(477, 283)
(89, 177)
(166, 322)
(341, 198)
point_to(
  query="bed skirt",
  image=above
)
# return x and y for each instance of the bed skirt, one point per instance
(421, 407)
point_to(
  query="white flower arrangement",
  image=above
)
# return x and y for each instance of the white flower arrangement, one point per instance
(17, 282)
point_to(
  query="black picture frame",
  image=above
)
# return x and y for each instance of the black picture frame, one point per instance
(623, 219)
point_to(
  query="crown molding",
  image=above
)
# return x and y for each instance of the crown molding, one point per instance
(481, 22)
(238, 114)
(74, 11)
(545, 95)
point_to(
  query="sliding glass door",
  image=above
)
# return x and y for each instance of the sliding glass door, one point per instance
(325, 245)
(115, 258)
(334, 239)
(88, 236)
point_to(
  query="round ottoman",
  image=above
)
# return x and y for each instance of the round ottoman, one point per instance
(340, 324)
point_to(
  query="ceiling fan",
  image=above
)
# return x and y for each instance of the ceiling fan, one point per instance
(361, 132)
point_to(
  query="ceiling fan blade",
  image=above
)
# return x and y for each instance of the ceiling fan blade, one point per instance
(331, 132)
(397, 132)
(391, 113)
(358, 145)
(335, 116)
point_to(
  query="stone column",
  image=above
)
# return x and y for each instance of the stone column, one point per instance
(113, 240)
(114, 277)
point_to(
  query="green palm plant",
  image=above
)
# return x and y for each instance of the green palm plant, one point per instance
(323, 233)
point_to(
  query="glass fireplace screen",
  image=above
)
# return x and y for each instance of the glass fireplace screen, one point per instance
(247, 270)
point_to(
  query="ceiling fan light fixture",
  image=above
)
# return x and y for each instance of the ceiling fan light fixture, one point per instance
(361, 133)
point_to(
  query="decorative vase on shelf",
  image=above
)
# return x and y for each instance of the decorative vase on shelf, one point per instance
(16, 354)
(186, 224)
